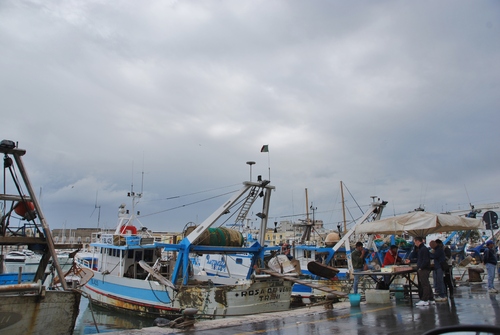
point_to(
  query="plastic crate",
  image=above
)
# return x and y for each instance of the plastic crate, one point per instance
(377, 296)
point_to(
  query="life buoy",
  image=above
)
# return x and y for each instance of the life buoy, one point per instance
(22, 208)
(131, 229)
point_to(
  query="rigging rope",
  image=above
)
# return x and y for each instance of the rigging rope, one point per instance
(185, 195)
(189, 204)
(158, 298)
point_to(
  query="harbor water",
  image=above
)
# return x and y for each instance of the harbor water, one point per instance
(106, 321)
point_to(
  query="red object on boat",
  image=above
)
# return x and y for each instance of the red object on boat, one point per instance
(23, 207)
(131, 229)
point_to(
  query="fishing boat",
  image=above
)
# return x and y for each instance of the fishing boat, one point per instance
(15, 257)
(316, 271)
(133, 273)
(27, 260)
(29, 306)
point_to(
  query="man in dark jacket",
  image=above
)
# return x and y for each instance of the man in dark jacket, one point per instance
(448, 274)
(490, 260)
(439, 259)
(423, 271)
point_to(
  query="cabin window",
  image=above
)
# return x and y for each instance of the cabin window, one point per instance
(138, 255)
(239, 261)
(148, 255)
(130, 254)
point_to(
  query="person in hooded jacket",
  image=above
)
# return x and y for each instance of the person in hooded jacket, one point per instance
(438, 274)
(448, 273)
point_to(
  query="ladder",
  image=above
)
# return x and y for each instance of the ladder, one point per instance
(250, 199)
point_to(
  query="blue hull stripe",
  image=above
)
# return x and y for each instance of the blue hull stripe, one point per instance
(129, 293)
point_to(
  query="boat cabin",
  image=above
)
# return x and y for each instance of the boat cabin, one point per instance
(119, 255)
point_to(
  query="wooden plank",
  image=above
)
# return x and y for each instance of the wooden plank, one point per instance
(68, 246)
(21, 240)
(304, 282)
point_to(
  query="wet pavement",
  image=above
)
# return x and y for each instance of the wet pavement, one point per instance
(471, 305)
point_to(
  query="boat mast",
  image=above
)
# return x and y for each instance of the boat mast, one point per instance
(17, 153)
(265, 214)
(307, 207)
(306, 235)
(343, 205)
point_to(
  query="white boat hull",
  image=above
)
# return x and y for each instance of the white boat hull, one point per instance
(225, 266)
(151, 299)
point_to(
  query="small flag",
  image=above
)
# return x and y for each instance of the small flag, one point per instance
(265, 148)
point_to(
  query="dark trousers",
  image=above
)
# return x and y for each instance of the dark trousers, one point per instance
(424, 286)
(448, 282)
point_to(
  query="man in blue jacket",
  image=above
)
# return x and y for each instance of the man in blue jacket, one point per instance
(423, 271)
(490, 260)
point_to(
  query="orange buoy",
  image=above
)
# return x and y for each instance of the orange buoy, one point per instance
(23, 207)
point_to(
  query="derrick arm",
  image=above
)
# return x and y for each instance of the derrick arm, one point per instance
(191, 238)
(376, 210)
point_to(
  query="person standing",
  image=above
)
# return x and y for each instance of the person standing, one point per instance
(490, 261)
(423, 272)
(358, 263)
(439, 260)
(448, 274)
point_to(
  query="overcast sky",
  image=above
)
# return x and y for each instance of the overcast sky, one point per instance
(398, 99)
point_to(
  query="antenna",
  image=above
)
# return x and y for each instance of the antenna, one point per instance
(142, 176)
(136, 196)
(99, 210)
(132, 193)
(142, 181)
(470, 204)
(421, 206)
